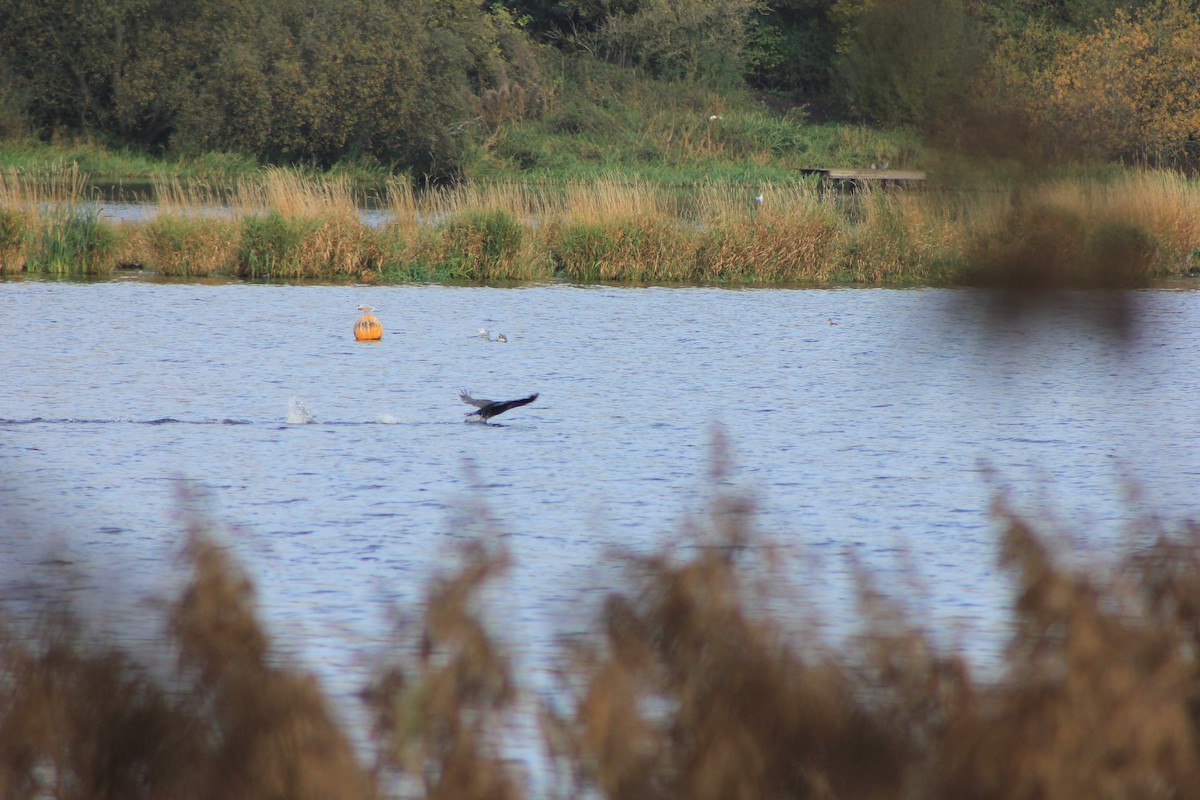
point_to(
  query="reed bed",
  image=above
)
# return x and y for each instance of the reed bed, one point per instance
(1118, 234)
(683, 683)
(50, 225)
(302, 228)
(467, 233)
(181, 245)
(283, 225)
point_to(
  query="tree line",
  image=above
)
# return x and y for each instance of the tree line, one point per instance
(415, 84)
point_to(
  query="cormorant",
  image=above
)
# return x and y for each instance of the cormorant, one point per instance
(490, 408)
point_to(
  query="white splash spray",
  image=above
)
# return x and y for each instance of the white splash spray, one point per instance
(298, 413)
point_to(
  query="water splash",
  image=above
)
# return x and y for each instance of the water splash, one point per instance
(299, 413)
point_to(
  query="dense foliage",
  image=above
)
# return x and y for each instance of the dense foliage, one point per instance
(288, 80)
(432, 86)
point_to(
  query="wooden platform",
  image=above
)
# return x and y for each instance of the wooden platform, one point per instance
(885, 177)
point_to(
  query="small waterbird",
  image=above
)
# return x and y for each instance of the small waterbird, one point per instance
(501, 338)
(486, 409)
(366, 309)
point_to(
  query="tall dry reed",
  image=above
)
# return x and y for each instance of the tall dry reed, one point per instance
(685, 684)
(787, 238)
(85, 718)
(1082, 233)
(438, 707)
(297, 227)
(900, 237)
(49, 224)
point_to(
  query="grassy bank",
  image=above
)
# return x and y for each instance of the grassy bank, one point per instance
(681, 685)
(284, 225)
(603, 121)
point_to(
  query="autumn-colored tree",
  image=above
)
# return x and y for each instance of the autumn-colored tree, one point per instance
(1129, 90)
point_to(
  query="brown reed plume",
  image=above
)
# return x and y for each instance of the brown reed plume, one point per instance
(267, 729)
(686, 685)
(437, 710)
(685, 689)
(1100, 695)
(81, 717)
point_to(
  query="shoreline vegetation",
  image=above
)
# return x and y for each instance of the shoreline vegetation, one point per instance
(608, 142)
(682, 682)
(1125, 229)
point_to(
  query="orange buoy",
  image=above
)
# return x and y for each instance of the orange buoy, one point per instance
(368, 328)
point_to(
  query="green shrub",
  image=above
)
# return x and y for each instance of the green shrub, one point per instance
(582, 251)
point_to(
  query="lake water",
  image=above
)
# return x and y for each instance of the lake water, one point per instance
(345, 473)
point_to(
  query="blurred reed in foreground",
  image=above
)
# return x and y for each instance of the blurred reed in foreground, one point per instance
(685, 685)
(1085, 233)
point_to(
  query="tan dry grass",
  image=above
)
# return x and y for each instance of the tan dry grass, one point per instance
(56, 187)
(295, 227)
(1065, 233)
(786, 239)
(903, 238)
(14, 225)
(1164, 204)
(174, 244)
(294, 195)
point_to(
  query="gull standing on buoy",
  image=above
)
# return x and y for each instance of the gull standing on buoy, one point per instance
(368, 328)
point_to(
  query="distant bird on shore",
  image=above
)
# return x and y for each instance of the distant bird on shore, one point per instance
(758, 201)
(486, 409)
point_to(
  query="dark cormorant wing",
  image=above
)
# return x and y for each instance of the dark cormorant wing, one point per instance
(490, 408)
(499, 407)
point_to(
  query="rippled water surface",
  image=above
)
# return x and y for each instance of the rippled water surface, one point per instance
(345, 470)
